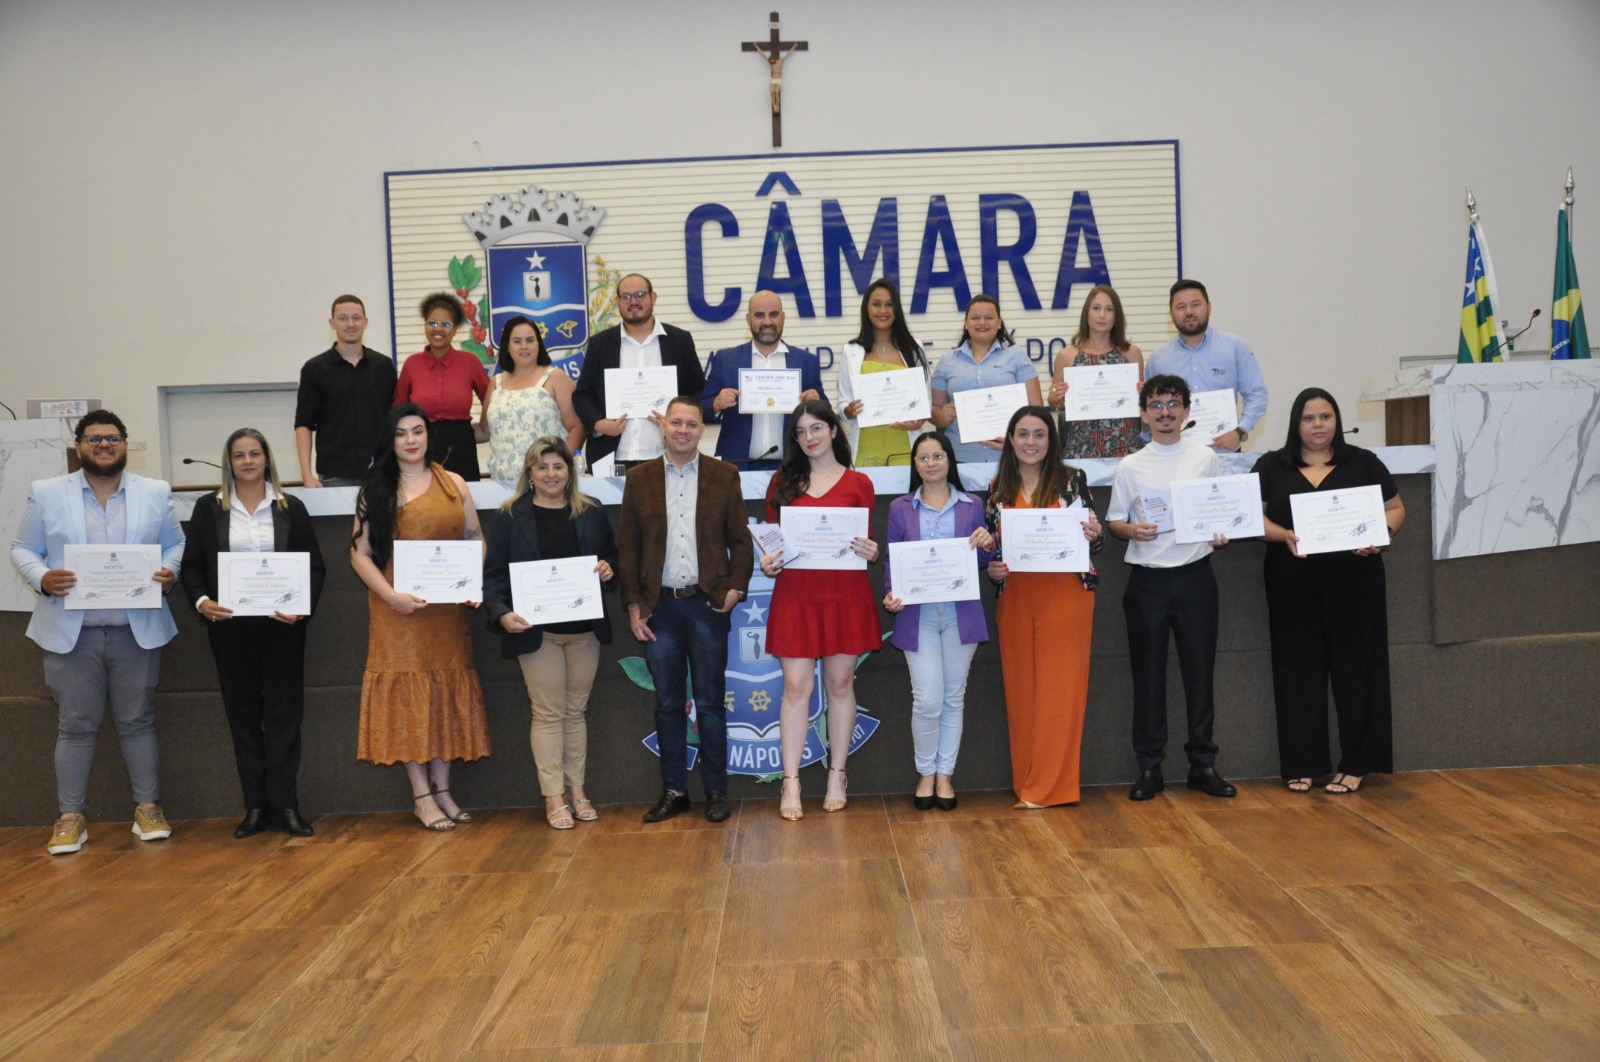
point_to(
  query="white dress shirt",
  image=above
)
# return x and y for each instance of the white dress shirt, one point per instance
(640, 439)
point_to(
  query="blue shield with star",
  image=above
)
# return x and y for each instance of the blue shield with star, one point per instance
(547, 282)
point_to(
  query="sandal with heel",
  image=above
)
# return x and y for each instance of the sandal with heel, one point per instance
(837, 803)
(442, 825)
(791, 812)
(462, 815)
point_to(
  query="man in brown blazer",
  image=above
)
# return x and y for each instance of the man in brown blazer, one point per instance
(684, 556)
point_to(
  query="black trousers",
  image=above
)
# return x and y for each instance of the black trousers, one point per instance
(1329, 622)
(261, 672)
(1181, 602)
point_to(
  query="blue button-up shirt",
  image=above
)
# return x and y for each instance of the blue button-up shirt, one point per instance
(105, 526)
(935, 523)
(958, 371)
(1222, 360)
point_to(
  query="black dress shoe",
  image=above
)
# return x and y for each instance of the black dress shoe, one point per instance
(669, 805)
(293, 824)
(1209, 782)
(254, 821)
(922, 803)
(717, 809)
(1149, 784)
(945, 803)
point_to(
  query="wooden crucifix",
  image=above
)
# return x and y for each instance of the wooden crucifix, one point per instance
(775, 50)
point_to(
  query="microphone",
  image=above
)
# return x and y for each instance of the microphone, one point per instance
(1352, 431)
(1510, 340)
(1189, 425)
(197, 461)
(768, 452)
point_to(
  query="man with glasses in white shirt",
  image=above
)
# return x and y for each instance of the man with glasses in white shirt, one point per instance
(640, 341)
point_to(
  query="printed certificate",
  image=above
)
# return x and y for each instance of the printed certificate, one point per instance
(819, 537)
(440, 571)
(113, 576)
(984, 412)
(1044, 540)
(941, 569)
(769, 539)
(1155, 508)
(556, 591)
(1214, 413)
(259, 584)
(891, 397)
(769, 390)
(640, 392)
(1101, 392)
(1337, 520)
(1226, 505)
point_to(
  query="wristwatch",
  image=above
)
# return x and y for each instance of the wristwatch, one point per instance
(742, 595)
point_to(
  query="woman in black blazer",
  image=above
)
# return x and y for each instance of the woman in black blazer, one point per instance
(548, 518)
(260, 659)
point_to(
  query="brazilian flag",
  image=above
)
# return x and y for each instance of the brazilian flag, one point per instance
(1480, 330)
(1569, 338)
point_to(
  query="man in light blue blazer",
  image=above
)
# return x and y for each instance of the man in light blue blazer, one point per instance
(755, 441)
(96, 657)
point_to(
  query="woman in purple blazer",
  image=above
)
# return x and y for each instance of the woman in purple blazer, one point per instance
(938, 639)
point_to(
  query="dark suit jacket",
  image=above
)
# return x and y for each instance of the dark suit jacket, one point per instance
(514, 536)
(208, 536)
(605, 352)
(722, 370)
(722, 538)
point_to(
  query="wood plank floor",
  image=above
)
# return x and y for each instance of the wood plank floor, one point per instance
(1436, 915)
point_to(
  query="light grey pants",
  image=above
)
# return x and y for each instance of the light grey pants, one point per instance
(106, 666)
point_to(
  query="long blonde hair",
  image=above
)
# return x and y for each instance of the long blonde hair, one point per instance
(577, 501)
(274, 488)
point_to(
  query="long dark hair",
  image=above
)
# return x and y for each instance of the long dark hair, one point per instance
(1290, 455)
(1055, 478)
(504, 363)
(794, 473)
(911, 352)
(377, 504)
(1001, 336)
(1119, 323)
(949, 456)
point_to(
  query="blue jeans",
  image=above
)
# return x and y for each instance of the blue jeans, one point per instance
(938, 689)
(691, 639)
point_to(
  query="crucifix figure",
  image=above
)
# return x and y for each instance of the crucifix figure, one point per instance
(776, 51)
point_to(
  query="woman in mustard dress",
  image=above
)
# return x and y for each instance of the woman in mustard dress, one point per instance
(421, 703)
(883, 344)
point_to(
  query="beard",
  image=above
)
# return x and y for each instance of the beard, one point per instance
(91, 468)
(1196, 329)
(768, 336)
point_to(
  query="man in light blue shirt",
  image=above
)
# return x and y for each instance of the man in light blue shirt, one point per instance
(99, 658)
(1209, 359)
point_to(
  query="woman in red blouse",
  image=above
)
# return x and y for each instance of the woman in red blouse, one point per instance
(442, 380)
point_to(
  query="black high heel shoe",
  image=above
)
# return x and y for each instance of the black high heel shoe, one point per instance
(922, 803)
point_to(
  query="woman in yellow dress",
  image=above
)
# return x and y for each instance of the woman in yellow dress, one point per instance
(883, 344)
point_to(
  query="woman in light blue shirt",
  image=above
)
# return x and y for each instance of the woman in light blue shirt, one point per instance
(985, 358)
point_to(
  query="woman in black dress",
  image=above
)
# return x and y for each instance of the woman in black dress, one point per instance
(1327, 612)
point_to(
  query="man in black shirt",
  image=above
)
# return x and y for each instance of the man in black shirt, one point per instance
(344, 393)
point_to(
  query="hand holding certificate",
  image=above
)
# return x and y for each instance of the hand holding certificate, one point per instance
(639, 392)
(769, 390)
(556, 591)
(823, 537)
(1214, 413)
(1045, 540)
(264, 584)
(1226, 505)
(934, 570)
(1339, 520)
(113, 576)
(439, 571)
(892, 397)
(1100, 392)
(985, 412)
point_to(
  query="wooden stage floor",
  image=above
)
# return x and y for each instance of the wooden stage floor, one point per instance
(1436, 915)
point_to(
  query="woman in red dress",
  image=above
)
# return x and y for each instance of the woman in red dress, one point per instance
(826, 615)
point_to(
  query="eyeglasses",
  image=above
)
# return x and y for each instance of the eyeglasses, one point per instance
(441, 324)
(633, 296)
(96, 440)
(1173, 404)
(932, 459)
(810, 430)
